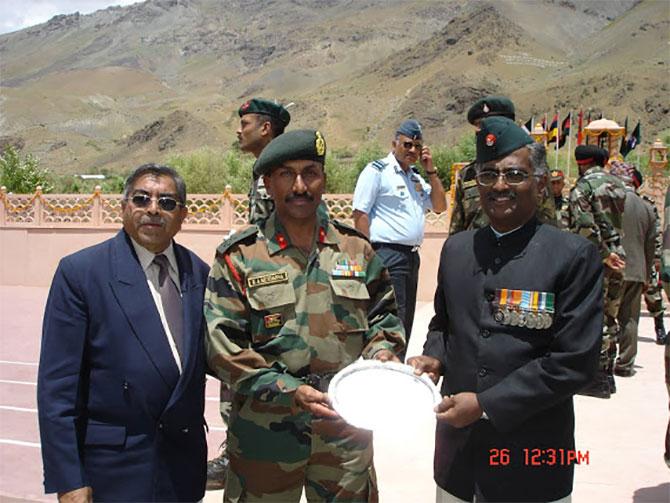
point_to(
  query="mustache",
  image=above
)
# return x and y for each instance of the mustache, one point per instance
(504, 193)
(152, 221)
(294, 197)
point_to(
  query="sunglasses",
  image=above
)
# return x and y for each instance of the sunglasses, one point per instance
(408, 145)
(164, 202)
(512, 176)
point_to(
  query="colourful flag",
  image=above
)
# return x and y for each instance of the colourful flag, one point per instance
(565, 130)
(632, 141)
(580, 129)
(552, 132)
(528, 126)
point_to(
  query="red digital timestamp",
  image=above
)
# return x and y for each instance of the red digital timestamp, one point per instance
(540, 457)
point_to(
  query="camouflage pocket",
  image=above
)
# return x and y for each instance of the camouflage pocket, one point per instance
(350, 304)
(272, 307)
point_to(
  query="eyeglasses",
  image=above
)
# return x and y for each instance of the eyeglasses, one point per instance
(511, 176)
(164, 202)
(408, 145)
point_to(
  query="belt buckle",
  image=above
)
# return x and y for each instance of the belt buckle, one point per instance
(415, 248)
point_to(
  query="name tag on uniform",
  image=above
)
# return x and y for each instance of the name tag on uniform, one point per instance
(272, 320)
(267, 279)
(401, 188)
(524, 308)
(348, 269)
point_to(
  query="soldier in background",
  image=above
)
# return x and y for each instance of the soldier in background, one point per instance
(261, 120)
(640, 224)
(467, 213)
(665, 277)
(288, 304)
(561, 203)
(597, 203)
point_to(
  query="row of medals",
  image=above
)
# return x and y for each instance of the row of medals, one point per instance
(522, 318)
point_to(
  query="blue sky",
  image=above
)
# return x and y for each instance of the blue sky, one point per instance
(19, 14)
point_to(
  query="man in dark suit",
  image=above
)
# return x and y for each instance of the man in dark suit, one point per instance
(516, 332)
(121, 376)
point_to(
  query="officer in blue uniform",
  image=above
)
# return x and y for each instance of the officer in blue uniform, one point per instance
(514, 335)
(390, 202)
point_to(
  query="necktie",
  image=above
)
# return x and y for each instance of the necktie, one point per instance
(171, 300)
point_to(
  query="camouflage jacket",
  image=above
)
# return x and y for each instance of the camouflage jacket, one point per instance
(562, 206)
(654, 273)
(596, 206)
(260, 202)
(468, 214)
(275, 316)
(665, 255)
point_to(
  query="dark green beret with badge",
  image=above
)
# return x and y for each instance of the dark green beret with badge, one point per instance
(301, 144)
(491, 106)
(265, 107)
(499, 137)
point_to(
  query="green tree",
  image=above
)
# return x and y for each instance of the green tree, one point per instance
(208, 171)
(22, 175)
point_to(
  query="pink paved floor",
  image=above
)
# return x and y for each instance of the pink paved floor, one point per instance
(623, 435)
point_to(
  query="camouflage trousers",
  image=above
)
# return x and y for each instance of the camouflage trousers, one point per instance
(275, 453)
(613, 291)
(653, 298)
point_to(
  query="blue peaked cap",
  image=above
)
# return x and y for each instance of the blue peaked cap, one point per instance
(410, 128)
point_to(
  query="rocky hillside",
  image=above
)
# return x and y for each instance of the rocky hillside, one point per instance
(131, 84)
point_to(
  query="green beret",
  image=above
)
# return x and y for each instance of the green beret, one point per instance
(491, 106)
(265, 107)
(301, 144)
(499, 137)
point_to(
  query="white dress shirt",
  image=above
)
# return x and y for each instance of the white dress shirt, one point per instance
(151, 271)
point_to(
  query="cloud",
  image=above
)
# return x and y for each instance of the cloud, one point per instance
(19, 14)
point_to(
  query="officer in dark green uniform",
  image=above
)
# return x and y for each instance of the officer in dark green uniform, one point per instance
(467, 212)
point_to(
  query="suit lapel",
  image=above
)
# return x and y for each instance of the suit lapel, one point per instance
(132, 293)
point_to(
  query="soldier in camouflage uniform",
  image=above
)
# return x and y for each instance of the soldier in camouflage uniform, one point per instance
(561, 203)
(289, 303)
(596, 207)
(467, 213)
(653, 295)
(261, 120)
(665, 278)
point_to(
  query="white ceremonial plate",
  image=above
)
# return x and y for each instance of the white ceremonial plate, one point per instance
(374, 395)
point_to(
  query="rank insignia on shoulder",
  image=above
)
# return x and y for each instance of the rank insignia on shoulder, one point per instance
(523, 308)
(267, 279)
(273, 320)
(348, 269)
(379, 164)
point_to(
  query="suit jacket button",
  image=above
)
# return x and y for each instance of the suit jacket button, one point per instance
(485, 333)
(160, 426)
(497, 261)
(125, 385)
(185, 430)
(482, 372)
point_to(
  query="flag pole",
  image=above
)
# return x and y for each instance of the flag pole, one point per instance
(638, 148)
(558, 138)
(567, 169)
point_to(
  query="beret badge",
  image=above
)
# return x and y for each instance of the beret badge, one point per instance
(490, 140)
(320, 144)
(486, 108)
